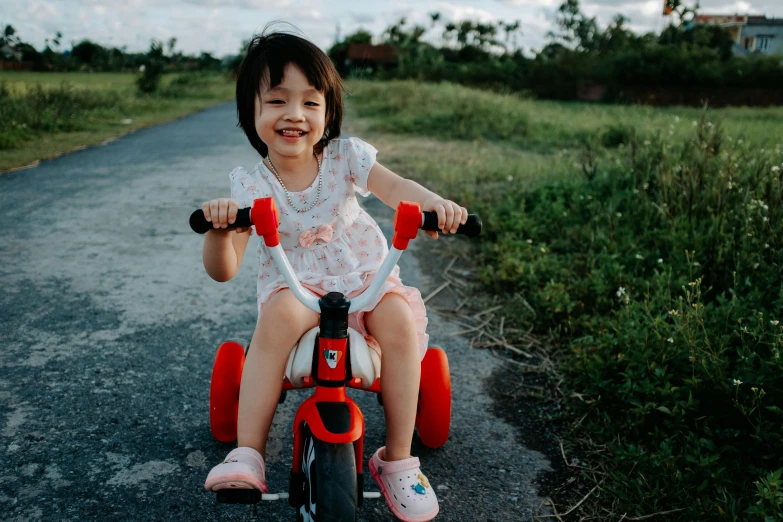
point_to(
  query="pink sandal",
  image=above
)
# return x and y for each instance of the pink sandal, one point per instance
(243, 468)
(406, 489)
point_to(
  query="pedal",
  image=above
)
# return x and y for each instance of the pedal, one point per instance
(238, 496)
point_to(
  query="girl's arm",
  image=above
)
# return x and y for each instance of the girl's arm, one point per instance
(391, 189)
(223, 253)
(223, 248)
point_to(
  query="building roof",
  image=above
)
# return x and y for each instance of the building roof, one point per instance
(374, 53)
(736, 20)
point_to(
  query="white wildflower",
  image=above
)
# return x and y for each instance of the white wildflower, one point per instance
(619, 214)
(694, 123)
(510, 178)
(620, 291)
(775, 168)
(660, 260)
(676, 119)
(774, 322)
(670, 340)
(673, 312)
(639, 256)
(739, 142)
(529, 241)
(737, 382)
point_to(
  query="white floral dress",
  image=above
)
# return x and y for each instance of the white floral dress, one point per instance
(335, 246)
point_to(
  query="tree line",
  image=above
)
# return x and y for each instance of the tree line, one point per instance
(579, 54)
(87, 55)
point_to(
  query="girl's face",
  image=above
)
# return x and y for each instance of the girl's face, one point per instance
(291, 117)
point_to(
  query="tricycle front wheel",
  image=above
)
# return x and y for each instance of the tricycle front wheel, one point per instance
(330, 491)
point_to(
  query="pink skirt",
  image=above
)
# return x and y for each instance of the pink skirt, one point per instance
(393, 285)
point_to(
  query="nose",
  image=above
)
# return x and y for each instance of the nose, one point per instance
(294, 112)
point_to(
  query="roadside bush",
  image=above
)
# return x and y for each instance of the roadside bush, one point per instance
(661, 277)
(152, 69)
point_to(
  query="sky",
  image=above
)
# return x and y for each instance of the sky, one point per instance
(219, 26)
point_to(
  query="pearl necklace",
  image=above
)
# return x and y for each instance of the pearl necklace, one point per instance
(287, 195)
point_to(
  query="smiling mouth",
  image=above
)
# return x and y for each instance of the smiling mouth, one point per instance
(292, 133)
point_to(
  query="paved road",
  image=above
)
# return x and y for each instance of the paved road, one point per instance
(108, 326)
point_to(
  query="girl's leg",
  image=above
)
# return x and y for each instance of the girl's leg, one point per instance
(393, 326)
(281, 325)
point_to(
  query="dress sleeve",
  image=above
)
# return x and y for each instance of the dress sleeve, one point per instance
(361, 157)
(243, 188)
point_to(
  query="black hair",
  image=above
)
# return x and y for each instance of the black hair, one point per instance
(265, 61)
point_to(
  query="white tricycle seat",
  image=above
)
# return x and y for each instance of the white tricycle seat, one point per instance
(365, 363)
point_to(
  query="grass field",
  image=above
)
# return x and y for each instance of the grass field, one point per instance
(642, 248)
(452, 111)
(21, 81)
(48, 114)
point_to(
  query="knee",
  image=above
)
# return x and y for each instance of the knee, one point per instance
(284, 314)
(284, 306)
(392, 324)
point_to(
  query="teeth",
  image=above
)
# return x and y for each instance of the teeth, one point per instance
(292, 132)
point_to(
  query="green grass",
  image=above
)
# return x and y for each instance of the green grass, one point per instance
(20, 81)
(646, 251)
(46, 115)
(455, 112)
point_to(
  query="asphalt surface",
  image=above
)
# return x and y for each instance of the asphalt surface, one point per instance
(108, 330)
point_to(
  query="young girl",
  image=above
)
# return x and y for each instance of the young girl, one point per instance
(289, 102)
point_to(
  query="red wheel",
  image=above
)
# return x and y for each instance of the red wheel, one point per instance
(224, 391)
(433, 416)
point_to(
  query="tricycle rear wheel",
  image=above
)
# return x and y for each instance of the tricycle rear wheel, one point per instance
(433, 415)
(224, 391)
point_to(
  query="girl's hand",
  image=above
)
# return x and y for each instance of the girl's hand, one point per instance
(221, 213)
(450, 215)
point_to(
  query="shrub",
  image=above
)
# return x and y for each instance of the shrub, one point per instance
(152, 69)
(661, 277)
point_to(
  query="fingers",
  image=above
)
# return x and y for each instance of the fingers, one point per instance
(220, 212)
(440, 210)
(449, 224)
(432, 234)
(232, 211)
(450, 215)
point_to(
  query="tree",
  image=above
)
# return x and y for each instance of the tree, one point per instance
(576, 29)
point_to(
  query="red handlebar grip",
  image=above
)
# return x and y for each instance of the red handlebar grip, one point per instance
(407, 222)
(265, 219)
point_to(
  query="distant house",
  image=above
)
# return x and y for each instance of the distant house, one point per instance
(368, 56)
(751, 33)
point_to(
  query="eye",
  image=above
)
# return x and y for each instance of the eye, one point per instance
(313, 104)
(275, 101)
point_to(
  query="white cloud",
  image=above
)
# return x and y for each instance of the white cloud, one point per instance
(457, 13)
(219, 26)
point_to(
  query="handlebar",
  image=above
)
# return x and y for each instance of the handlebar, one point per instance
(407, 221)
(471, 228)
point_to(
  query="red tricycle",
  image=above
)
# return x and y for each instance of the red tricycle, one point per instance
(326, 476)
